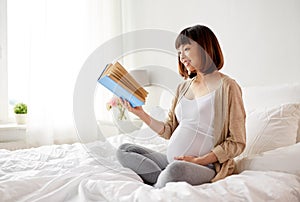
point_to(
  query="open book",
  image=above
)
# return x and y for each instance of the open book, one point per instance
(116, 79)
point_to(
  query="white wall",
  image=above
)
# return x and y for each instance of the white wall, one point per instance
(260, 38)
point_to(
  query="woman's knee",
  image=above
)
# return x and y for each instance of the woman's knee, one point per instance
(122, 150)
(126, 149)
(185, 171)
(174, 172)
(125, 146)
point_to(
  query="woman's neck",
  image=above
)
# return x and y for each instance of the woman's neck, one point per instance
(201, 77)
(210, 80)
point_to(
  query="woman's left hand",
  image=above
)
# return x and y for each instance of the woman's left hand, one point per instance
(201, 160)
(192, 159)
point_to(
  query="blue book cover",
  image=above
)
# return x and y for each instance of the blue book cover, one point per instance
(118, 90)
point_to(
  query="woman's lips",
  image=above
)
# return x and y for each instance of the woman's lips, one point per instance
(186, 63)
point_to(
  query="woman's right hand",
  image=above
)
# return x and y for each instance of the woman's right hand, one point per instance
(138, 111)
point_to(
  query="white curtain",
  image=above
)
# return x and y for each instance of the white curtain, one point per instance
(62, 35)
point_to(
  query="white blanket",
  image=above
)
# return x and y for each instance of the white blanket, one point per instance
(90, 172)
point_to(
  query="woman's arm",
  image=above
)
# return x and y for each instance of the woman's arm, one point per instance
(234, 132)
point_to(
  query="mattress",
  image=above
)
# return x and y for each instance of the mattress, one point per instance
(90, 172)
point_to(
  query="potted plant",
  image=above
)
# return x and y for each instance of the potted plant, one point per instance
(121, 118)
(20, 110)
(118, 108)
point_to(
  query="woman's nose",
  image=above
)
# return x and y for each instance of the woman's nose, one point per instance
(182, 56)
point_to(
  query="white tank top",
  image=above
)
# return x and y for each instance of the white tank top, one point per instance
(194, 136)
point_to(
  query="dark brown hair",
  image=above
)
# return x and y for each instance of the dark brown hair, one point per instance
(211, 53)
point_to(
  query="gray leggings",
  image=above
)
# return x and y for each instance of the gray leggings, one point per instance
(154, 168)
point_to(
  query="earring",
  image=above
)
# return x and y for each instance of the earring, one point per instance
(192, 74)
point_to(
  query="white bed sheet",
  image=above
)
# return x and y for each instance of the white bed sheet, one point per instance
(90, 172)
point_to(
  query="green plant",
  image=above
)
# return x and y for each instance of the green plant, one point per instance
(20, 108)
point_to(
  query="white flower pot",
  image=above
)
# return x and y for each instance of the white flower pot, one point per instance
(126, 124)
(117, 116)
(21, 118)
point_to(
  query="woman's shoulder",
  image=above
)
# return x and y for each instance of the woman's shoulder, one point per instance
(230, 85)
(228, 81)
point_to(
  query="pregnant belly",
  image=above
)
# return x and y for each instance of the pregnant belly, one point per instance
(186, 141)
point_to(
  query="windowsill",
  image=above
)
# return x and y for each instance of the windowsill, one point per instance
(12, 136)
(12, 126)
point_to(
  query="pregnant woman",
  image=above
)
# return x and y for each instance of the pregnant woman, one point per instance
(206, 122)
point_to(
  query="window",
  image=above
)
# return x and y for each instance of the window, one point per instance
(18, 53)
(14, 58)
(30, 34)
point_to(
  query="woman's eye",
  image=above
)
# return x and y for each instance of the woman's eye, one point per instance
(186, 49)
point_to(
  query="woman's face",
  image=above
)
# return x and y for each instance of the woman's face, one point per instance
(189, 55)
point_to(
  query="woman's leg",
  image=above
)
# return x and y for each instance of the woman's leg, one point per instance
(147, 163)
(185, 171)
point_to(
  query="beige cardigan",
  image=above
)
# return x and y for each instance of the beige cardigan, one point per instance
(229, 124)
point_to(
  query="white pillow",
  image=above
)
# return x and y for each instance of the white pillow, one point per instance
(271, 128)
(272, 95)
(284, 159)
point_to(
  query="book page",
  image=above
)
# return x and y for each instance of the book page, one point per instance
(119, 74)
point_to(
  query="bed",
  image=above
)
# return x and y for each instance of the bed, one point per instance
(268, 169)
